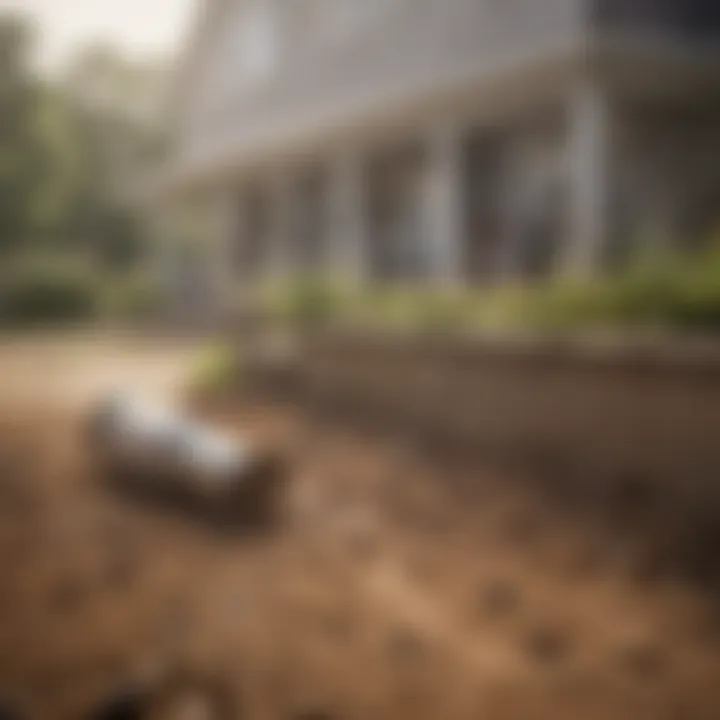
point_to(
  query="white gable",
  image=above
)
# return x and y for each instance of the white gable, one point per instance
(236, 48)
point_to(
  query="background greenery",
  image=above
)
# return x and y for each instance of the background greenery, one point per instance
(75, 149)
(671, 292)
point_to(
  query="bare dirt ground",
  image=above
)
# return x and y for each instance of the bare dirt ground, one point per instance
(391, 588)
(56, 370)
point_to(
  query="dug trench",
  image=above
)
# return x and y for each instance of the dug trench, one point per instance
(389, 587)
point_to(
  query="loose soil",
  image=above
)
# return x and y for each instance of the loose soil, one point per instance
(389, 588)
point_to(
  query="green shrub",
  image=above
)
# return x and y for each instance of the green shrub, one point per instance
(46, 293)
(132, 298)
(428, 310)
(304, 303)
(571, 305)
(664, 291)
(674, 293)
(503, 308)
(696, 293)
(217, 372)
(387, 307)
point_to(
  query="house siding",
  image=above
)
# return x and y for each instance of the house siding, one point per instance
(453, 140)
(420, 44)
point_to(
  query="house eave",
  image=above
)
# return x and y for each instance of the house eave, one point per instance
(370, 122)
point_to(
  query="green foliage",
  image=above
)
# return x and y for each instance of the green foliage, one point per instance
(131, 297)
(306, 303)
(408, 309)
(672, 293)
(43, 289)
(21, 163)
(666, 292)
(43, 292)
(217, 372)
(73, 151)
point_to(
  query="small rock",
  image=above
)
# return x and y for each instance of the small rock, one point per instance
(547, 646)
(643, 659)
(405, 644)
(499, 598)
(126, 705)
(67, 595)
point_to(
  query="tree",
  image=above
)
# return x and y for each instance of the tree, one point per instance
(75, 150)
(20, 147)
(115, 103)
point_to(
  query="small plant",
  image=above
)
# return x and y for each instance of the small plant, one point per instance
(45, 291)
(437, 311)
(216, 373)
(132, 298)
(678, 292)
(665, 290)
(305, 303)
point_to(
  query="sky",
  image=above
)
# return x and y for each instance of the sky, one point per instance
(139, 26)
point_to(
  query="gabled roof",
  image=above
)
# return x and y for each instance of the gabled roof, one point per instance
(207, 15)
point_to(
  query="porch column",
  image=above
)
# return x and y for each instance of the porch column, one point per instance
(221, 229)
(512, 211)
(240, 258)
(588, 166)
(444, 231)
(347, 247)
(279, 256)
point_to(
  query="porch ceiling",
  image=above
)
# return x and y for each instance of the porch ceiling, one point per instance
(370, 122)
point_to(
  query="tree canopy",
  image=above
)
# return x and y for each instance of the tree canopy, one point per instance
(74, 150)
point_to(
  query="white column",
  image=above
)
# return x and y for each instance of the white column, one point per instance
(161, 264)
(221, 227)
(348, 214)
(280, 257)
(512, 211)
(444, 231)
(589, 157)
(246, 274)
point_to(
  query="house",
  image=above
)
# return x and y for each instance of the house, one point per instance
(446, 141)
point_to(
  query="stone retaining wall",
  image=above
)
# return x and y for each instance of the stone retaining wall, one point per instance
(590, 412)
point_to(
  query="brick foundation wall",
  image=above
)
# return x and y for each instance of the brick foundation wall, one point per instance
(598, 412)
